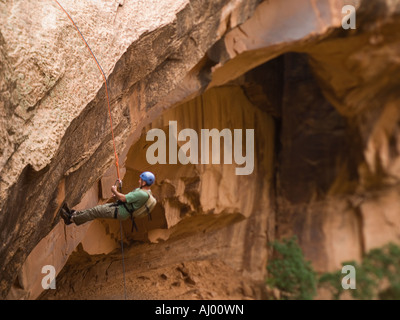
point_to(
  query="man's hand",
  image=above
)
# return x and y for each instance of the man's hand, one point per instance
(114, 190)
(117, 195)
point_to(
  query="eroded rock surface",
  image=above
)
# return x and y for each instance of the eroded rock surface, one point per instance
(323, 102)
(56, 129)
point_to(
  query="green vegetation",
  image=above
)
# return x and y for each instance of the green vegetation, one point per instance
(289, 272)
(379, 266)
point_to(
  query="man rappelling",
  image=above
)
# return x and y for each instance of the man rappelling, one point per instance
(133, 204)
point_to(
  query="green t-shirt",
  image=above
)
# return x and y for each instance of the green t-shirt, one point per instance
(134, 200)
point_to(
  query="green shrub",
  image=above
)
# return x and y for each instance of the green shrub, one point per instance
(365, 284)
(295, 278)
(290, 272)
(377, 265)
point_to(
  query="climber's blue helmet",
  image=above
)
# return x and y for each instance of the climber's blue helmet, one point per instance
(148, 177)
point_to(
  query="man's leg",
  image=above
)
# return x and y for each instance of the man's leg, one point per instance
(105, 211)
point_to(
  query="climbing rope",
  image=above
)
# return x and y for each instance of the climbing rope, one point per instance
(105, 83)
(112, 131)
(123, 260)
(122, 242)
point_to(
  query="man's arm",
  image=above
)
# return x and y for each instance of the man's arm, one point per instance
(118, 195)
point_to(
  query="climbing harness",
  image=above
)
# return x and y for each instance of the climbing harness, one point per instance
(146, 208)
(112, 131)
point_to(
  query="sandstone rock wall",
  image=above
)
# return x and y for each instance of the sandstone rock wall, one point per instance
(323, 102)
(72, 147)
(195, 200)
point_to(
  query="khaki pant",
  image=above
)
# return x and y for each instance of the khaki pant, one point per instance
(104, 211)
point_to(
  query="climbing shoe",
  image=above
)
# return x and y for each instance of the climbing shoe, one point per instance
(66, 208)
(66, 216)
